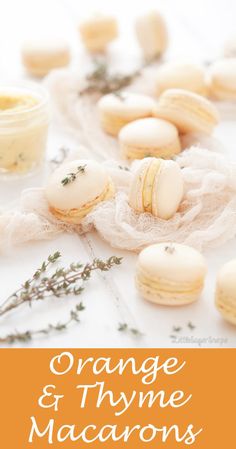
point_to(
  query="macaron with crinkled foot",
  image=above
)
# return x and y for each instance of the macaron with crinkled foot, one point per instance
(225, 297)
(188, 111)
(157, 188)
(149, 137)
(97, 31)
(182, 76)
(152, 34)
(75, 188)
(222, 79)
(118, 109)
(170, 274)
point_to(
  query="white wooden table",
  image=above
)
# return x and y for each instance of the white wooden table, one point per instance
(198, 30)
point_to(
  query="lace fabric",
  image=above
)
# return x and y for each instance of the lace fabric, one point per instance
(207, 216)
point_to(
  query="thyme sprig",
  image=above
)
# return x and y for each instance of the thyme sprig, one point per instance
(122, 167)
(124, 327)
(101, 81)
(170, 249)
(28, 335)
(71, 177)
(62, 282)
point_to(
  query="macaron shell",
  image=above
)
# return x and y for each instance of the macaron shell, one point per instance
(170, 274)
(149, 137)
(157, 188)
(126, 105)
(148, 133)
(97, 31)
(225, 307)
(226, 279)
(167, 191)
(181, 75)
(116, 111)
(75, 216)
(40, 57)
(131, 153)
(158, 296)
(222, 79)
(87, 186)
(184, 264)
(225, 298)
(137, 185)
(151, 175)
(152, 34)
(188, 111)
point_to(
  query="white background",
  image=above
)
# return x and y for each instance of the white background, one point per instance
(198, 30)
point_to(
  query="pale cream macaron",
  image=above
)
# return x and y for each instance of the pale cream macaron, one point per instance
(98, 31)
(181, 75)
(40, 56)
(75, 188)
(225, 297)
(157, 188)
(188, 111)
(149, 137)
(222, 79)
(152, 34)
(170, 274)
(118, 109)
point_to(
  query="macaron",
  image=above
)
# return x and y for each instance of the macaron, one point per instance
(222, 79)
(40, 56)
(98, 31)
(157, 188)
(181, 75)
(75, 188)
(188, 111)
(170, 274)
(149, 137)
(152, 34)
(225, 297)
(118, 109)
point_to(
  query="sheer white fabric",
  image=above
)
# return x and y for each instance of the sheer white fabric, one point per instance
(207, 216)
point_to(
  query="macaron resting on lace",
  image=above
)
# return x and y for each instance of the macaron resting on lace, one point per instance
(75, 188)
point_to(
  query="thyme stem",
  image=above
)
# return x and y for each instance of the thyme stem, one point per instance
(63, 281)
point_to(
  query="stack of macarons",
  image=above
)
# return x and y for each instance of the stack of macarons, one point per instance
(149, 128)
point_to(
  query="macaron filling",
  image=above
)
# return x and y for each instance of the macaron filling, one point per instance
(149, 182)
(75, 215)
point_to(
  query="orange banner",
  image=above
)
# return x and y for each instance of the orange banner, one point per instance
(116, 398)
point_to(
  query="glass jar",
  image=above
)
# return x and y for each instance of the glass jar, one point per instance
(24, 120)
